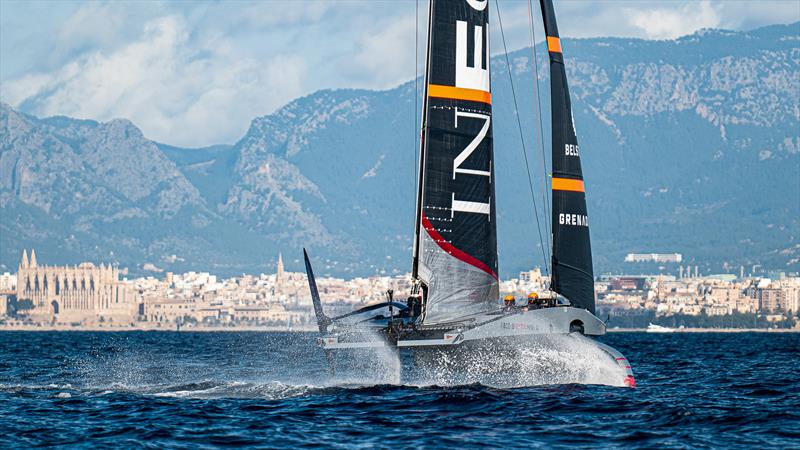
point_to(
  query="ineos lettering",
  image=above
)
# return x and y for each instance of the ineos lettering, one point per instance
(478, 5)
(470, 77)
(472, 145)
(460, 205)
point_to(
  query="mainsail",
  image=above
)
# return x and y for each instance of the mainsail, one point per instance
(455, 248)
(572, 274)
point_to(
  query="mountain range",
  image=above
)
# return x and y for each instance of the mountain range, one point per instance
(689, 145)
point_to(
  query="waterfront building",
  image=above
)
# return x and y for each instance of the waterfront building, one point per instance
(79, 294)
(654, 257)
(8, 282)
(769, 300)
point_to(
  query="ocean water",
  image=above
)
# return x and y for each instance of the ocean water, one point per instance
(275, 390)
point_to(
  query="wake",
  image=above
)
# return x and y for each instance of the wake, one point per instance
(303, 370)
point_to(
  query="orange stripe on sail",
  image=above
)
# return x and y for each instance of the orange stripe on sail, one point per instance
(456, 93)
(568, 184)
(553, 44)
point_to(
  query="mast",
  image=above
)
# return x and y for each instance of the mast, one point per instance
(423, 128)
(455, 235)
(572, 273)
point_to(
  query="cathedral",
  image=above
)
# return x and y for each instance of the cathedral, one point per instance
(79, 294)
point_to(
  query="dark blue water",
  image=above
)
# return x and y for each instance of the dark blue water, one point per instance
(274, 390)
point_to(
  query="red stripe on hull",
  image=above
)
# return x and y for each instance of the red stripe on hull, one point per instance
(458, 254)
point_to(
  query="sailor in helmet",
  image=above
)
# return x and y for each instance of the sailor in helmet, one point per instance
(509, 302)
(414, 304)
(533, 301)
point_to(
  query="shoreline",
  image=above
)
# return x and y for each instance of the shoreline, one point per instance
(69, 328)
(706, 330)
(309, 329)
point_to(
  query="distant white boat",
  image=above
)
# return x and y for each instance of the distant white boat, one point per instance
(652, 328)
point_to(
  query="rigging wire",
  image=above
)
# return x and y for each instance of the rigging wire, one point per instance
(416, 133)
(522, 138)
(540, 127)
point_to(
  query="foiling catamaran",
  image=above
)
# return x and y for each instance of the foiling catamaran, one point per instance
(454, 299)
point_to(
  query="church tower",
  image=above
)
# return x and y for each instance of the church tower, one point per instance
(33, 258)
(279, 276)
(24, 263)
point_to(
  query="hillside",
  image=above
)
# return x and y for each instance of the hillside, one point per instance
(689, 146)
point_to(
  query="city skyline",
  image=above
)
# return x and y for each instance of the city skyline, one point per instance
(92, 296)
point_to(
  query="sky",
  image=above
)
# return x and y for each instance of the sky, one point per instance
(195, 73)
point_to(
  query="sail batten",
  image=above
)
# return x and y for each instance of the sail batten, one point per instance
(572, 273)
(455, 248)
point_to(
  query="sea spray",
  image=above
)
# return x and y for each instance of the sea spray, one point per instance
(285, 365)
(540, 360)
(366, 366)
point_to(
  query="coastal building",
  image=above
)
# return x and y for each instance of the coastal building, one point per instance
(769, 300)
(78, 294)
(280, 273)
(654, 257)
(8, 282)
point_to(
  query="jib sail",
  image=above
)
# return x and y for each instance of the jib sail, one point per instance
(572, 274)
(455, 251)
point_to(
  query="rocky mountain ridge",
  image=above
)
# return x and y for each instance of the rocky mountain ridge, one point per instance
(689, 146)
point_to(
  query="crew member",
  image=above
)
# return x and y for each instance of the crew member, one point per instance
(533, 301)
(414, 304)
(509, 301)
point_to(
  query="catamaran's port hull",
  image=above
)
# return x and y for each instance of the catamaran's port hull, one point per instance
(493, 359)
(545, 321)
(497, 334)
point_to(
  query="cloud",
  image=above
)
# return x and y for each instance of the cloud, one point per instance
(91, 25)
(196, 73)
(282, 13)
(179, 91)
(662, 19)
(667, 23)
(386, 57)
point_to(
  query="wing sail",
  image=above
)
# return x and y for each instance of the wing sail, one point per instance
(572, 273)
(456, 240)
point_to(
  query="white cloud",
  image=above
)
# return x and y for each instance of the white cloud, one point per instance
(282, 13)
(92, 24)
(177, 91)
(196, 73)
(667, 23)
(667, 18)
(386, 58)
